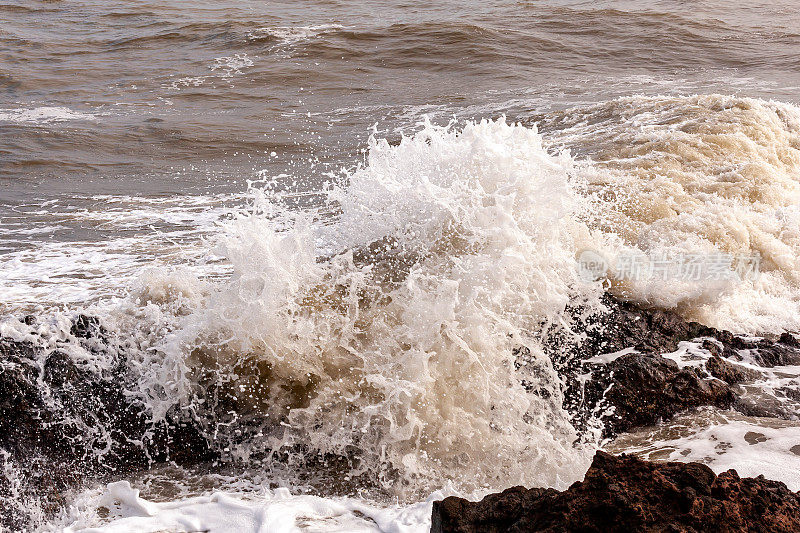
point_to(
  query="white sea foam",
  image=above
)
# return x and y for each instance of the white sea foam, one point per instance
(143, 233)
(241, 512)
(229, 65)
(224, 68)
(610, 357)
(700, 174)
(44, 115)
(402, 353)
(723, 440)
(292, 34)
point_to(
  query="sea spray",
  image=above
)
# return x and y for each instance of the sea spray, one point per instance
(393, 339)
(392, 334)
(403, 333)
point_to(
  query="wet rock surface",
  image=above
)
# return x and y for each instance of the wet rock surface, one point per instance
(640, 388)
(729, 372)
(627, 325)
(62, 423)
(623, 493)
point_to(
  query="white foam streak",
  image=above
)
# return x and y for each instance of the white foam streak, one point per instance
(44, 115)
(292, 34)
(240, 512)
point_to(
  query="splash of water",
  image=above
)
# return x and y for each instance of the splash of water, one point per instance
(403, 334)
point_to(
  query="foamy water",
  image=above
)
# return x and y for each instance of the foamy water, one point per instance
(403, 352)
(355, 222)
(43, 115)
(703, 174)
(377, 337)
(262, 510)
(723, 440)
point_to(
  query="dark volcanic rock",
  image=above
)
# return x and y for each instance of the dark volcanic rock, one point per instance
(644, 388)
(729, 372)
(639, 389)
(63, 411)
(62, 423)
(87, 327)
(627, 325)
(624, 493)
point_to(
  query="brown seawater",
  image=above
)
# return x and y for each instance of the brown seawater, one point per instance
(374, 204)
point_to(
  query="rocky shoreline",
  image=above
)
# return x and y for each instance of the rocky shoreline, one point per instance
(633, 382)
(63, 424)
(623, 493)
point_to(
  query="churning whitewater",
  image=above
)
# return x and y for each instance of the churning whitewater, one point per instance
(392, 333)
(318, 266)
(398, 326)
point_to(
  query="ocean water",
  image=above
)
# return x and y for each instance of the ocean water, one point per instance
(376, 204)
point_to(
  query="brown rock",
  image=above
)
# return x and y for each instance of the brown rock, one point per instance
(644, 388)
(624, 493)
(729, 372)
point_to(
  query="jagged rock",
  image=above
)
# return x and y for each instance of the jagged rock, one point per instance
(644, 388)
(624, 493)
(624, 325)
(628, 325)
(61, 423)
(639, 389)
(62, 410)
(87, 327)
(729, 372)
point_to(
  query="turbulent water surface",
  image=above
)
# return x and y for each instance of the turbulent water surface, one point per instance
(376, 204)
